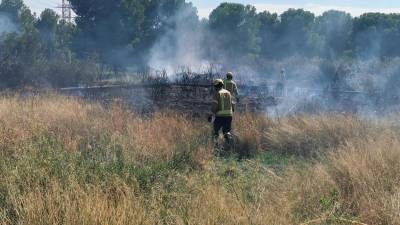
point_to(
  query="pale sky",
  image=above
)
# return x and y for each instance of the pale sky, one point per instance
(355, 7)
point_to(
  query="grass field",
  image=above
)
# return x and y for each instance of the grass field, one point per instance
(66, 161)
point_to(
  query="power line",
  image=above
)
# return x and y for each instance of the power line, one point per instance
(66, 11)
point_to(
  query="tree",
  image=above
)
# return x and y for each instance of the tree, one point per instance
(19, 13)
(269, 23)
(335, 28)
(294, 32)
(178, 37)
(48, 21)
(122, 30)
(377, 34)
(18, 50)
(103, 26)
(12, 8)
(236, 30)
(47, 27)
(18, 53)
(65, 33)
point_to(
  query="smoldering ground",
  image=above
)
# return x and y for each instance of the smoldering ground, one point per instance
(360, 81)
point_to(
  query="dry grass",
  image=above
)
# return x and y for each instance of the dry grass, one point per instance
(310, 135)
(65, 161)
(78, 126)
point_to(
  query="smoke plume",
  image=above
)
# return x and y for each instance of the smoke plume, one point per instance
(180, 46)
(6, 24)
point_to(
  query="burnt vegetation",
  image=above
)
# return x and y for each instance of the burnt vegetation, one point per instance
(103, 120)
(332, 61)
(119, 38)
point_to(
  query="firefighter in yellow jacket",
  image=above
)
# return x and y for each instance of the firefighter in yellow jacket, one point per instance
(231, 86)
(222, 109)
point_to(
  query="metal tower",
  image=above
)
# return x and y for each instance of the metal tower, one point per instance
(66, 10)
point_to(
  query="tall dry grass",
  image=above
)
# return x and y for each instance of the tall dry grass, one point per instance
(80, 126)
(66, 161)
(310, 135)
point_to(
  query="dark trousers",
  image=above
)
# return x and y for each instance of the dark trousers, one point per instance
(224, 123)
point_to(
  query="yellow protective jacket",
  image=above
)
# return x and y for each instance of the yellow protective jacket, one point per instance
(231, 86)
(222, 104)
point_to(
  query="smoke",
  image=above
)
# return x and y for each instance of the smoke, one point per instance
(334, 80)
(189, 44)
(181, 44)
(6, 24)
(367, 87)
(372, 38)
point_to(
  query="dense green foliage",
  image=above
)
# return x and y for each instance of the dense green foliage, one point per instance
(112, 35)
(38, 52)
(123, 29)
(234, 24)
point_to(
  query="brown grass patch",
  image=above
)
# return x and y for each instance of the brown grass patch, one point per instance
(66, 161)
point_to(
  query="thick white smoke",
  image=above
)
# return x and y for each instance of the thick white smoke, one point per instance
(180, 46)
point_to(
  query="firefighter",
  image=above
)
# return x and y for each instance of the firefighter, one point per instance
(280, 85)
(231, 86)
(222, 109)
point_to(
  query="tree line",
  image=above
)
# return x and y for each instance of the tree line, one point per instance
(108, 35)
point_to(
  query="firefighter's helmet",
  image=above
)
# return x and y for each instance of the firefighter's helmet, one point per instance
(218, 82)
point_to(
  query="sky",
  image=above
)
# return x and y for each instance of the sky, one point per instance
(355, 7)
